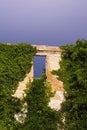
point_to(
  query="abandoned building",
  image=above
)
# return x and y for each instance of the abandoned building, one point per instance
(53, 56)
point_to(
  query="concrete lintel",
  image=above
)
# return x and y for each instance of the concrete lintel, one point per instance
(47, 48)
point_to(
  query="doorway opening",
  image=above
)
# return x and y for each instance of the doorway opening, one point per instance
(39, 66)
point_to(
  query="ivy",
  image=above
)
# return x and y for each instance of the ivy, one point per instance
(73, 73)
(15, 62)
(39, 115)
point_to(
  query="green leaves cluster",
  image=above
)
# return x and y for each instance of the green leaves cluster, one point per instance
(39, 116)
(73, 73)
(15, 62)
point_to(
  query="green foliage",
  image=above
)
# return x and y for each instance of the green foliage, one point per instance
(73, 73)
(15, 62)
(39, 116)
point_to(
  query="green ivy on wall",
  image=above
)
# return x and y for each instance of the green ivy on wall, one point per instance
(39, 115)
(73, 73)
(15, 62)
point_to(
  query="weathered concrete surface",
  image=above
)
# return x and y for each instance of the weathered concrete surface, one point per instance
(55, 102)
(52, 63)
(53, 56)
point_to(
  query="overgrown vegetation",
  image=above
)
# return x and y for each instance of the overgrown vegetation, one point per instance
(15, 62)
(39, 115)
(73, 73)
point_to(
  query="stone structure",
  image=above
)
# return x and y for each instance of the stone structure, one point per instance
(53, 56)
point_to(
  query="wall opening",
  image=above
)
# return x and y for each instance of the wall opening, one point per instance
(39, 65)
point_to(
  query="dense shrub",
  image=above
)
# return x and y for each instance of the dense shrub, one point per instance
(15, 62)
(73, 73)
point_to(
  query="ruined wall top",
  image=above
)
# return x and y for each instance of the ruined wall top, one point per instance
(47, 48)
(43, 50)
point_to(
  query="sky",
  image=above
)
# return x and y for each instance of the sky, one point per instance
(48, 22)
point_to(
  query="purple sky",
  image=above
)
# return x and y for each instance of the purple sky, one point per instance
(49, 22)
